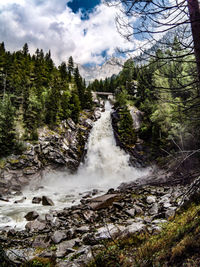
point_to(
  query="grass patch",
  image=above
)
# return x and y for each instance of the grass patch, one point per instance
(178, 244)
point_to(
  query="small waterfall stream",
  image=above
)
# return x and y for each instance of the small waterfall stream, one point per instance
(105, 166)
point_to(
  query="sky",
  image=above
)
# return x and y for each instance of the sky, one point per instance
(84, 29)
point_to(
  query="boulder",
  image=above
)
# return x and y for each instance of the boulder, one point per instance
(135, 227)
(41, 242)
(58, 236)
(109, 231)
(31, 216)
(103, 202)
(46, 201)
(65, 247)
(35, 226)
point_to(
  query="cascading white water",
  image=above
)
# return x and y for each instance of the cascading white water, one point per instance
(106, 166)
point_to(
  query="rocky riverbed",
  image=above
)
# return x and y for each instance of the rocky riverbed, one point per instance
(70, 237)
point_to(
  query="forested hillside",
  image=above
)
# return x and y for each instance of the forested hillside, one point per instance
(34, 92)
(166, 90)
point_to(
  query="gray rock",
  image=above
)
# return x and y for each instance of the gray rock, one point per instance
(41, 242)
(46, 201)
(154, 209)
(58, 236)
(167, 205)
(65, 247)
(109, 231)
(35, 226)
(135, 227)
(31, 216)
(151, 199)
(130, 212)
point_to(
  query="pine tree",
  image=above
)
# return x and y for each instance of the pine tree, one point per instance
(70, 67)
(75, 107)
(7, 132)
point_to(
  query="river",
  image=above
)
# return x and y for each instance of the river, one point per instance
(105, 166)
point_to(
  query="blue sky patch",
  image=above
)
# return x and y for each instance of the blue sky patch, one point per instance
(86, 5)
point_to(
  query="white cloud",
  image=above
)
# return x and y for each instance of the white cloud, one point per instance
(50, 24)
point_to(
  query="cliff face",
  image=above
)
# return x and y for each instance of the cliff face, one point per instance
(109, 68)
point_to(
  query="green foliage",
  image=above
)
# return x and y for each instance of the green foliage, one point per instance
(7, 130)
(41, 94)
(125, 127)
(40, 262)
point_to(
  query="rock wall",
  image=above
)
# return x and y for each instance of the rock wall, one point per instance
(63, 148)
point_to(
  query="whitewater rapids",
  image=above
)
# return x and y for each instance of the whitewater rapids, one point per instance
(106, 166)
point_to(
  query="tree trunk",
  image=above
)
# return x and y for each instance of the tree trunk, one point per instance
(194, 13)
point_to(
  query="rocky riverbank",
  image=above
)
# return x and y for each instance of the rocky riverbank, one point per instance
(63, 147)
(72, 236)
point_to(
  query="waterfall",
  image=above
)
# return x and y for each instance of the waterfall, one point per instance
(105, 166)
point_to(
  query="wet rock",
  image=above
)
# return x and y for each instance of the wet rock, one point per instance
(111, 191)
(36, 200)
(97, 114)
(88, 123)
(46, 201)
(103, 202)
(58, 236)
(35, 226)
(31, 216)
